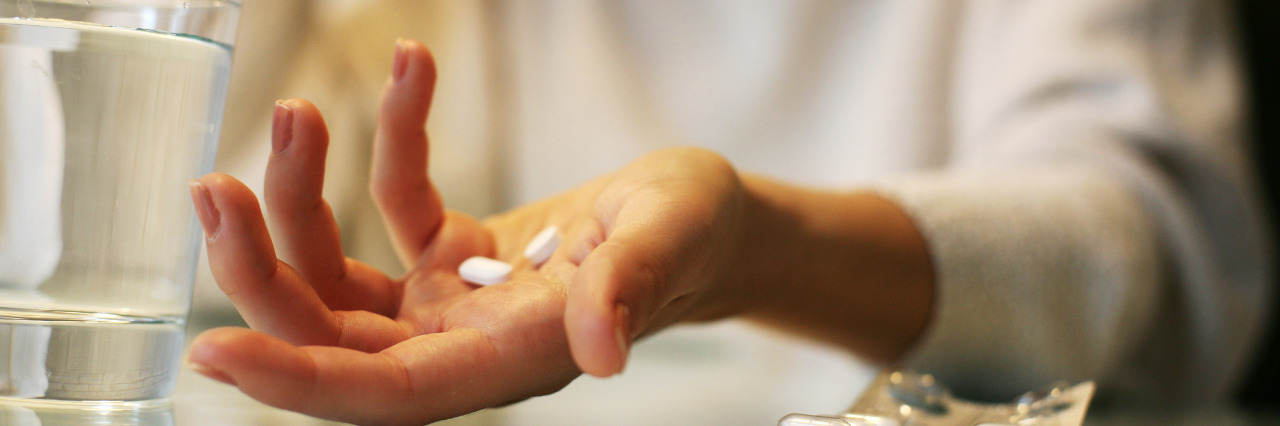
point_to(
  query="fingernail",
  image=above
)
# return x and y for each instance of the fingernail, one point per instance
(212, 373)
(401, 62)
(205, 210)
(282, 127)
(622, 316)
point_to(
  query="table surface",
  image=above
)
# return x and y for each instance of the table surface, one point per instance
(201, 401)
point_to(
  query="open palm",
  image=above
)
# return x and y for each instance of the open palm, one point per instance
(335, 338)
(338, 339)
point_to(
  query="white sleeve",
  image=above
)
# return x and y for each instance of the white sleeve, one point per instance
(1097, 219)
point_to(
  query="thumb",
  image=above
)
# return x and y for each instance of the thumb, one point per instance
(628, 286)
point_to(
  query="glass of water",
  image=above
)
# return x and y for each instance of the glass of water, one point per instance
(108, 108)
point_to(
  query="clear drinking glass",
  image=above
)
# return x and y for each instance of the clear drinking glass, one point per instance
(108, 108)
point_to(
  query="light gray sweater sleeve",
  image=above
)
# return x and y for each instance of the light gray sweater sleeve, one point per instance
(1097, 217)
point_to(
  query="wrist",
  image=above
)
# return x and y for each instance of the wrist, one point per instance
(848, 268)
(766, 251)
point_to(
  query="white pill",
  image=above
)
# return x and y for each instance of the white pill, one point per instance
(484, 271)
(542, 245)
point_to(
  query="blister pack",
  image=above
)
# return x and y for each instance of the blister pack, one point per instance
(903, 398)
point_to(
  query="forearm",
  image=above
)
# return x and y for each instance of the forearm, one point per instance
(846, 268)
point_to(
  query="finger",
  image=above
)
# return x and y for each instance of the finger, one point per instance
(429, 378)
(370, 332)
(323, 381)
(269, 294)
(408, 200)
(598, 316)
(628, 285)
(306, 232)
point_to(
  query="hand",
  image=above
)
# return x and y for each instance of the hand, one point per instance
(337, 339)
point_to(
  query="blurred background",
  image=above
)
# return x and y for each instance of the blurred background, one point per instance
(338, 54)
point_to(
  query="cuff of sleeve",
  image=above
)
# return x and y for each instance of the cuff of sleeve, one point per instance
(1032, 269)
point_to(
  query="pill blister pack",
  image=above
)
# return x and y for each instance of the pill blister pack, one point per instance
(903, 398)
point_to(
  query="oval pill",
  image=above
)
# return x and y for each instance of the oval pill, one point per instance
(484, 271)
(543, 245)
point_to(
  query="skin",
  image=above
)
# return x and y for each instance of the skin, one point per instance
(677, 235)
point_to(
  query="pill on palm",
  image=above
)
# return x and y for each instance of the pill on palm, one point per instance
(484, 271)
(542, 245)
